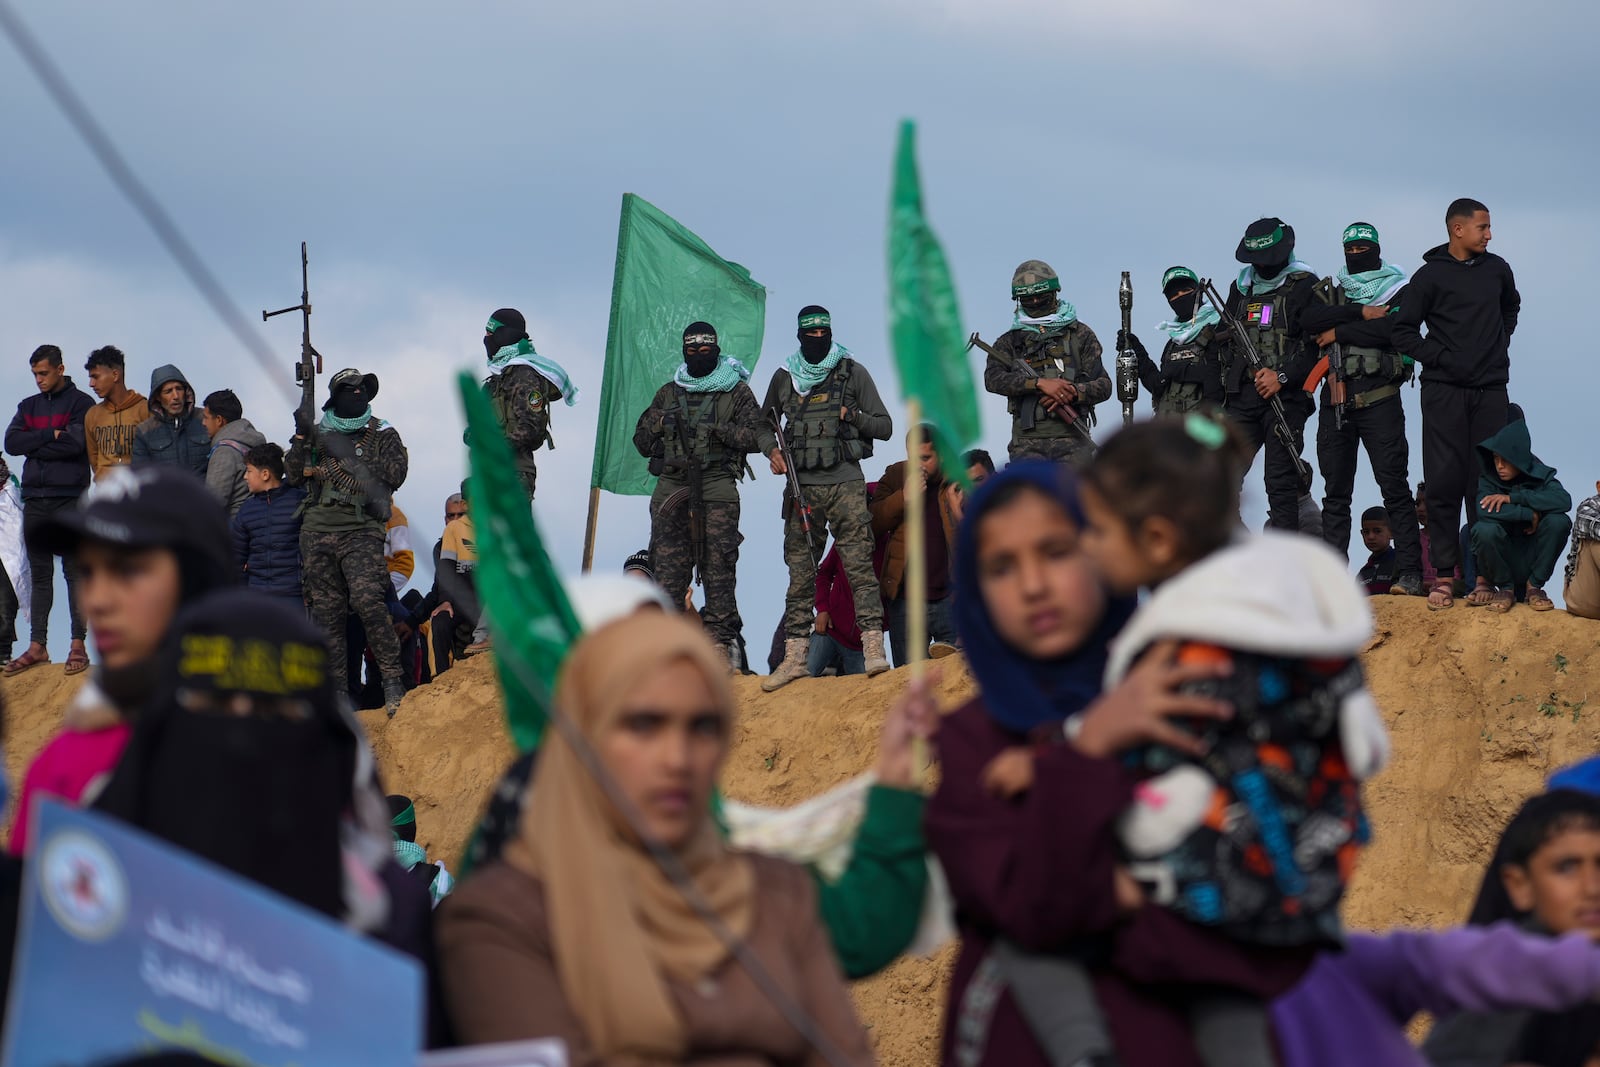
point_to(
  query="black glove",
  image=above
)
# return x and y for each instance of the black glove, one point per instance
(302, 423)
(1126, 339)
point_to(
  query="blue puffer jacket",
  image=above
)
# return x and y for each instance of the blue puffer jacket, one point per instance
(266, 540)
(181, 441)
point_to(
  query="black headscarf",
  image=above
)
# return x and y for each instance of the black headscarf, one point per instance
(262, 793)
(505, 327)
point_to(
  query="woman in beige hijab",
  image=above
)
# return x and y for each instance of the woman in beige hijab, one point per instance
(577, 934)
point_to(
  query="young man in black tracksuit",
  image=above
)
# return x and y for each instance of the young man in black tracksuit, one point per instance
(1468, 299)
(1352, 320)
(1269, 298)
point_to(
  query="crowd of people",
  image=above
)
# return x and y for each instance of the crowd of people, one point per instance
(1144, 822)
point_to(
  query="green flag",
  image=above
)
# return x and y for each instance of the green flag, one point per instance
(666, 278)
(930, 347)
(533, 623)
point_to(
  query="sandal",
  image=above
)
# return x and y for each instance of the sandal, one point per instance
(77, 661)
(1539, 600)
(28, 659)
(1502, 601)
(1483, 595)
(1440, 598)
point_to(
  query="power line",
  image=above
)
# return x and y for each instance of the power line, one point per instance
(144, 202)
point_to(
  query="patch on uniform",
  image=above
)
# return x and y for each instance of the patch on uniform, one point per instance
(1259, 314)
(536, 400)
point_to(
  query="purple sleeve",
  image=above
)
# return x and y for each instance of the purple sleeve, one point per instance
(1472, 968)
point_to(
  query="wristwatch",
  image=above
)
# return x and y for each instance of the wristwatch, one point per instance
(1283, 379)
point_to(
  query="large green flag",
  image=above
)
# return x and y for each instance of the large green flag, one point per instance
(930, 347)
(534, 625)
(666, 278)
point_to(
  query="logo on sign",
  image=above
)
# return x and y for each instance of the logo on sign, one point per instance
(83, 885)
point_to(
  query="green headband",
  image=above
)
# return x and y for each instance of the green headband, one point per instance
(1256, 244)
(494, 324)
(1360, 231)
(817, 320)
(406, 817)
(1049, 285)
(1179, 274)
(1204, 431)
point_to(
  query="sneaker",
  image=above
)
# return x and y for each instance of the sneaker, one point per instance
(941, 649)
(477, 648)
(1408, 585)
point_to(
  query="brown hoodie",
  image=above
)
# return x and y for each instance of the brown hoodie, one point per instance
(110, 431)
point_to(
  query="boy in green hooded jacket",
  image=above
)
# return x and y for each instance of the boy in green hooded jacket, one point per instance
(1522, 522)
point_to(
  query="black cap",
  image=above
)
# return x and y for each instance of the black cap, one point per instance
(640, 561)
(351, 378)
(1265, 242)
(149, 507)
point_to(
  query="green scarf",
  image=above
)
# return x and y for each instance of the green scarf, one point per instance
(522, 354)
(1250, 285)
(1371, 286)
(1184, 332)
(1063, 316)
(728, 373)
(330, 421)
(807, 376)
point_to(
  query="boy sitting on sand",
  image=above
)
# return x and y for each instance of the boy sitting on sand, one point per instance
(1522, 521)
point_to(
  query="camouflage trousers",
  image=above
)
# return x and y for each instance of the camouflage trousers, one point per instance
(528, 471)
(1074, 450)
(672, 556)
(841, 510)
(345, 574)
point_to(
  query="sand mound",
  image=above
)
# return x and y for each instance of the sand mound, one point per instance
(1482, 708)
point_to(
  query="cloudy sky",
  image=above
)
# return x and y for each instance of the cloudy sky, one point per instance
(445, 160)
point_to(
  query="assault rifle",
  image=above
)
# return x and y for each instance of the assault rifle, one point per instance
(1247, 348)
(310, 364)
(1127, 358)
(1332, 366)
(1065, 412)
(692, 473)
(797, 498)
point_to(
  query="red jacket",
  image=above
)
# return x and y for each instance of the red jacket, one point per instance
(835, 597)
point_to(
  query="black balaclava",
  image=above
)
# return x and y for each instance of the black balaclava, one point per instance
(245, 722)
(1183, 306)
(697, 336)
(1371, 259)
(1268, 271)
(505, 327)
(350, 400)
(815, 349)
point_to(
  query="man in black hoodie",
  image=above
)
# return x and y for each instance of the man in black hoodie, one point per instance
(1468, 299)
(48, 430)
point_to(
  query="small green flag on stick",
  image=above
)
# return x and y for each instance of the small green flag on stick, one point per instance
(534, 625)
(930, 347)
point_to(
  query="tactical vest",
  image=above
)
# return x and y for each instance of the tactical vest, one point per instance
(1359, 360)
(1266, 320)
(1040, 351)
(506, 410)
(1183, 374)
(700, 412)
(338, 486)
(818, 438)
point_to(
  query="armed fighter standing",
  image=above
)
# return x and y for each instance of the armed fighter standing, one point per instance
(522, 385)
(1190, 373)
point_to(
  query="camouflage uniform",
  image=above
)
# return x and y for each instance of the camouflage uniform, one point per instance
(843, 510)
(341, 542)
(1024, 356)
(522, 398)
(722, 428)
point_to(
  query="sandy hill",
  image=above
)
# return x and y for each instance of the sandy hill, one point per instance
(1481, 707)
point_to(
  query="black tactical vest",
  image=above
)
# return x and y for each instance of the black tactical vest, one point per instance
(1266, 320)
(1359, 360)
(1184, 374)
(818, 438)
(1041, 352)
(699, 413)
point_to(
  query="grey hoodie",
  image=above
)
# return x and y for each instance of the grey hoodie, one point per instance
(225, 471)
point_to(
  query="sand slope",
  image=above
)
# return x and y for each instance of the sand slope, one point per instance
(1481, 707)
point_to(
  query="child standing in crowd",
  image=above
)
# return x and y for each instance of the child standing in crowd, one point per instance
(266, 528)
(1522, 522)
(1581, 587)
(1380, 570)
(1249, 830)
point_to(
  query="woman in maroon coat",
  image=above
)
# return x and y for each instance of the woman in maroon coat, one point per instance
(1042, 870)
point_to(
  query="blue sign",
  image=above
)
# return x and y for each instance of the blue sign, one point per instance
(128, 944)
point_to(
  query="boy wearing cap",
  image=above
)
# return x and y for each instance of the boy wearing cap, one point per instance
(1352, 321)
(1190, 374)
(351, 463)
(522, 385)
(1268, 298)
